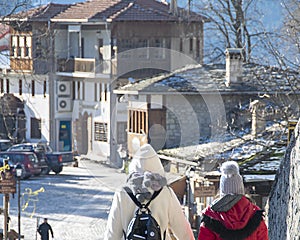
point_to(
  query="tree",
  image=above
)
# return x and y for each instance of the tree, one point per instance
(233, 24)
(285, 44)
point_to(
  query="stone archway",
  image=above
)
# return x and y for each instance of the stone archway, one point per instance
(12, 118)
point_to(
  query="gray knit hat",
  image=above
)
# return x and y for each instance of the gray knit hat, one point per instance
(231, 182)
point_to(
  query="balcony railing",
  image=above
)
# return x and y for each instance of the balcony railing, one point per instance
(85, 65)
(24, 64)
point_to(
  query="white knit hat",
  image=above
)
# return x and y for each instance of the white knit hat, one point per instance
(146, 159)
(231, 182)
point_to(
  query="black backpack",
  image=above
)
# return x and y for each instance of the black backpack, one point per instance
(142, 225)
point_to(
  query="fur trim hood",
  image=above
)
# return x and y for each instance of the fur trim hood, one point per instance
(144, 184)
(146, 173)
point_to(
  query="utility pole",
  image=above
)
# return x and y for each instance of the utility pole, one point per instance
(5, 205)
(6, 221)
(8, 185)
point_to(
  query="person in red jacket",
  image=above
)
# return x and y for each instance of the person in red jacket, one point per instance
(232, 216)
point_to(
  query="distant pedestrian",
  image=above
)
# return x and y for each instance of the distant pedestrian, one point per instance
(147, 175)
(44, 229)
(232, 216)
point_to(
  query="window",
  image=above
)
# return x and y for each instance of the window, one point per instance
(2, 85)
(32, 88)
(197, 47)
(100, 131)
(137, 121)
(73, 90)
(103, 89)
(161, 44)
(180, 45)
(7, 85)
(82, 47)
(95, 92)
(21, 46)
(45, 88)
(191, 45)
(125, 45)
(35, 128)
(144, 51)
(79, 93)
(20, 87)
(105, 92)
(100, 91)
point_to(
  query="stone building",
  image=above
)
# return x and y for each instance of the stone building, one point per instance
(284, 202)
(84, 50)
(192, 105)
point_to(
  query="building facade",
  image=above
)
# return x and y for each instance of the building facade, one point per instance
(91, 48)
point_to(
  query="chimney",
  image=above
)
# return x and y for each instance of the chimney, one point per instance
(173, 8)
(257, 109)
(234, 65)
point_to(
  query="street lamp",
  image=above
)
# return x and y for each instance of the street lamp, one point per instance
(19, 171)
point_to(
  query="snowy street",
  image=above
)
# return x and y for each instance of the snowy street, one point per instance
(76, 202)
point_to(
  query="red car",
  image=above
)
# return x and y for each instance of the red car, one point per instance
(28, 161)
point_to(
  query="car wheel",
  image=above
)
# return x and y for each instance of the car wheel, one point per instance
(57, 169)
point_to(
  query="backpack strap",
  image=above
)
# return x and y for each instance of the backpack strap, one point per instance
(138, 203)
(131, 195)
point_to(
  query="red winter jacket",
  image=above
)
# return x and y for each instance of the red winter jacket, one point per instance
(238, 219)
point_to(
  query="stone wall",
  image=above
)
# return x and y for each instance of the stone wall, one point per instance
(189, 119)
(284, 201)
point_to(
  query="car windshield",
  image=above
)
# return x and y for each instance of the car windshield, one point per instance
(21, 147)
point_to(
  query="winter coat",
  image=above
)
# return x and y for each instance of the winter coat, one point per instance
(43, 230)
(147, 176)
(233, 217)
(165, 208)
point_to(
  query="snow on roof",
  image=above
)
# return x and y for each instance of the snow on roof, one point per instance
(211, 78)
(256, 177)
(249, 152)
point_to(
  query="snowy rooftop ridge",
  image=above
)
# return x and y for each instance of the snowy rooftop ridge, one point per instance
(242, 148)
(211, 78)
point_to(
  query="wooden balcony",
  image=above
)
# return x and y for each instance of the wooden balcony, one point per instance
(88, 65)
(21, 64)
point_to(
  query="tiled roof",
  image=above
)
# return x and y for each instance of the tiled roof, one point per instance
(41, 13)
(122, 10)
(211, 78)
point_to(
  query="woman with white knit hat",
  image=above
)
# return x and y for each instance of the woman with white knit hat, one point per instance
(232, 216)
(147, 175)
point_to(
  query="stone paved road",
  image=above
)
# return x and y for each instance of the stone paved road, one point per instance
(76, 201)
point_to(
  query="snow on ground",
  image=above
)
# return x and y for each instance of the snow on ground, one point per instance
(76, 202)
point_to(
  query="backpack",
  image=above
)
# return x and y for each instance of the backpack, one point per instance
(142, 225)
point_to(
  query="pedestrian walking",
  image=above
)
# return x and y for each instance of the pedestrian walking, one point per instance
(44, 229)
(146, 178)
(233, 216)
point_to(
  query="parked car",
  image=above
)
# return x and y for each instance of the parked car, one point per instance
(28, 161)
(35, 148)
(56, 160)
(49, 159)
